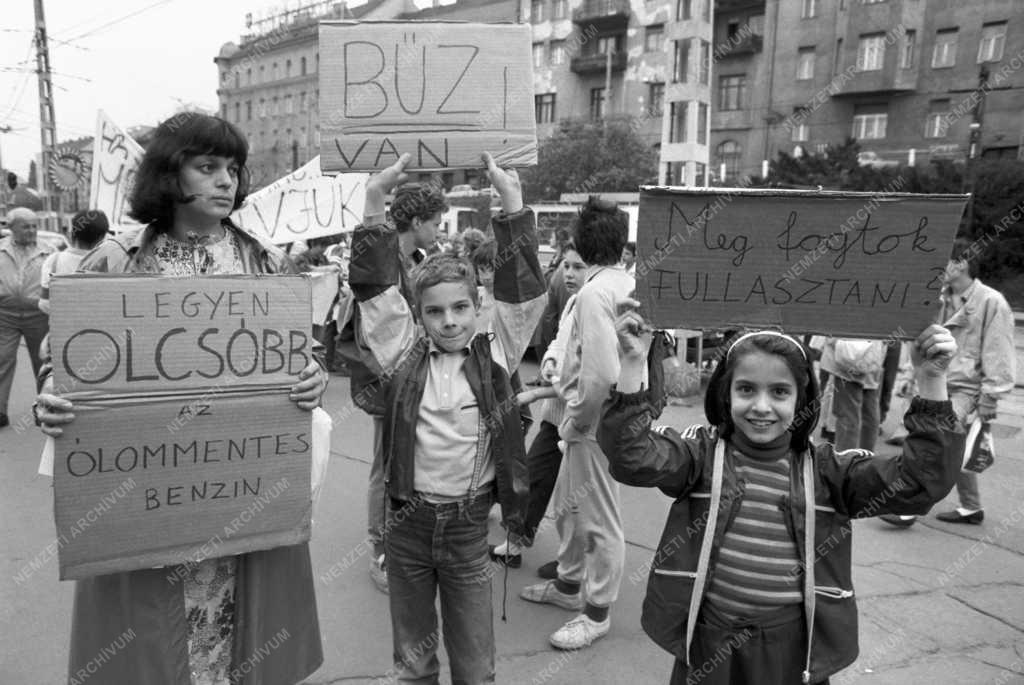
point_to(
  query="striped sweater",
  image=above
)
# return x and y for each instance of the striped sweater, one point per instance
(758, 567)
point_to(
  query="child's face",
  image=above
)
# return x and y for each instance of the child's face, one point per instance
(449, 315)
(574, 270)
(628, 257)
(762, 396)
(486, 276)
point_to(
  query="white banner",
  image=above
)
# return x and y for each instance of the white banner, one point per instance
(115, 158)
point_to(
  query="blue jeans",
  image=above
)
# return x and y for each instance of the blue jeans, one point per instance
(431, 547)
(856, 410)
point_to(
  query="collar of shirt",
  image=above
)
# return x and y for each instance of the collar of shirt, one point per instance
(435, 350)
(22, 251)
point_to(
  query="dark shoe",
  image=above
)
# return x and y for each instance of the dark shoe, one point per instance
(4, 421)
(548, 571)
(956, 517)
(899, 521)
(510, 560)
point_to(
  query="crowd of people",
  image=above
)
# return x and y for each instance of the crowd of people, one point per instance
(751, 582)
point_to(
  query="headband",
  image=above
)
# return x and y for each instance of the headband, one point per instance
(774, 334)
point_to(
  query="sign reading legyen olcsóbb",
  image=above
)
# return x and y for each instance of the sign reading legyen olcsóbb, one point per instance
(839, 263)
(180, 387)
(441, 91)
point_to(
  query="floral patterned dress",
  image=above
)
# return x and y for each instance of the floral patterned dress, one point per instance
(210, 584)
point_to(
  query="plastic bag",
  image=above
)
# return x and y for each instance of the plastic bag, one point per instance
(980, 450)
(321, 448)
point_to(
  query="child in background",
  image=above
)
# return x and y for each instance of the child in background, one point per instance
(484, 259)
(544, 459)
(453, 440)
(592, 551)
(767, 599)
(88, 228)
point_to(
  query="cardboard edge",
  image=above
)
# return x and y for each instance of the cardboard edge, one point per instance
(656, 190)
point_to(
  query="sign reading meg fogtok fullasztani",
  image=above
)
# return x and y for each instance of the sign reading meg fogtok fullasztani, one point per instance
(184, 444)
(839, 263)
(442, 91)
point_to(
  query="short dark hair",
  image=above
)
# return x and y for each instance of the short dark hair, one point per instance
(485, 255)
(601, 232)
(966, 251)
(443, 268)
(717, 405)
(157, 188)
(88, 227)
(416, 201)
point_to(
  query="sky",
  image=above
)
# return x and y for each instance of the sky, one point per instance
(139, 60)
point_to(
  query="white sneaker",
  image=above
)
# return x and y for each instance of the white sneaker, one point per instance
(379, 573)
(580, 632)
(507, 549)
(547, 593)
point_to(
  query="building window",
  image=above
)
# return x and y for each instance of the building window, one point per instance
(656, 100)
(289, 106)
(684, 10)
(238, 112)
(799, 131)
(263, 74)
(809, 9)
(303, 105)
(606, 44)
(248, 77)
(302, 66)
(702, 123)
(318, 70)
(273, 71)
(681, 62)
(705, 10)
(537, 11)
(538, 55)
(869, 122)
(275, 108)
(544, 107)
(871, 52)
(557, 52)
(731, 92)
(870, 2)
(678, 129)
(263, 108)
(288, 69)
(559, 9)
(937, 123)
(728, 154)
(596, 104)
(238, 80)
(705, 62)
(248, 110)
(993, 37)
(805, 64)
(700, 174)
(944, 54)
(653, 38)
(674, 173)
(908, 49)
(838, 61)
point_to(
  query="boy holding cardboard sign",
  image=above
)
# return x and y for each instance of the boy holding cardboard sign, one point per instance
(453, 440)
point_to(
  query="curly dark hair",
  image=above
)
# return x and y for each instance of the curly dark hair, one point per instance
(717, 404)
(601, 231)
(89, 227)
(157, 188)
(416, 200)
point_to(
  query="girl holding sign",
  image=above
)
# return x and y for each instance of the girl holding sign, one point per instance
(206, 621)
(766, 597)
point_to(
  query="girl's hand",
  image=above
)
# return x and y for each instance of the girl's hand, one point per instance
(932, 351)
(53, 412)
(312, 383)
(506, 182)
(634, 334)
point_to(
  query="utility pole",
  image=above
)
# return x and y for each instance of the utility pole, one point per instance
(47, 123)
(974, 143)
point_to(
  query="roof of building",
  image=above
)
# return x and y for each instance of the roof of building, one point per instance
(468, 10)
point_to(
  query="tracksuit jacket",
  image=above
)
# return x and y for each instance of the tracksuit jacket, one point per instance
(827, 490)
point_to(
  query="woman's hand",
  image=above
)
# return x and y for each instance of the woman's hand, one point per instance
(634, 334)
(312, 383)
(506, 182)
(53, 411)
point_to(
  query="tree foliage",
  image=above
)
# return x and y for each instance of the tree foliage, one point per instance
(588, 157)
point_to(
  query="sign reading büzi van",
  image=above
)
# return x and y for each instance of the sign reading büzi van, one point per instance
(442, 91)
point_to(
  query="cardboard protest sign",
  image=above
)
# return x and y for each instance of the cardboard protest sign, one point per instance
(144, 482)
(114, 335)
(304, 204)
(183, 419)
(115, 159)
(838, 263)
(442, 91)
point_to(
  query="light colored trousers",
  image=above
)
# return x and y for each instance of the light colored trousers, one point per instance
(592, 545)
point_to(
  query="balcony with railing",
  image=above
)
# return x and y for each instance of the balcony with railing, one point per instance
(603, 15)
(739, 46)
(877, 82)
(597, 63)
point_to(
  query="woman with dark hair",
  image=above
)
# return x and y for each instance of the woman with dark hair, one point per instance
(206, 618)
